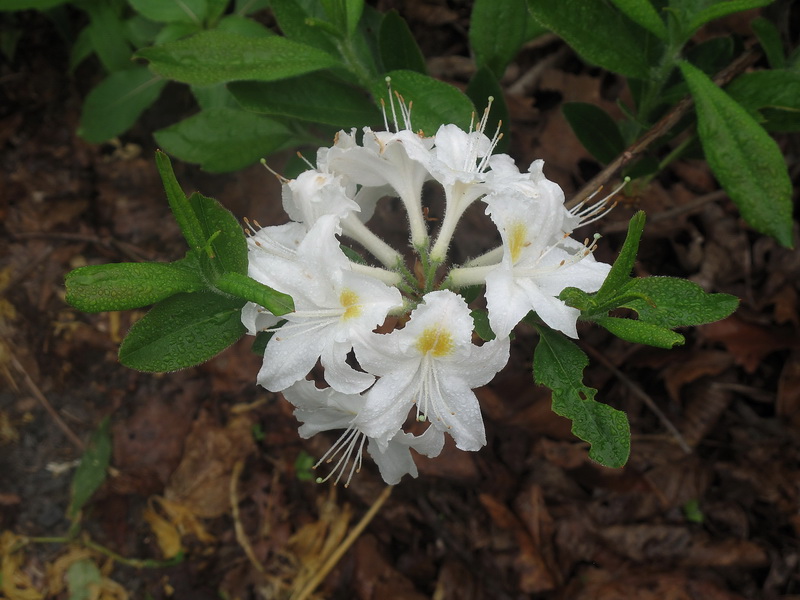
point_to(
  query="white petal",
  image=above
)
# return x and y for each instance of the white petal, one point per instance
(388, 403)
(394, 460)
(341, 376)
(321, 410)
(506, 302)
(458, 413)
(551, 310)
(256, 318)
(289, 357)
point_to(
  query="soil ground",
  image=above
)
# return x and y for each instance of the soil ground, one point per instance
(529, 516)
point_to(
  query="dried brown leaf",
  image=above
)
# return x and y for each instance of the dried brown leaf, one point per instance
(201, 481)
(748, 343)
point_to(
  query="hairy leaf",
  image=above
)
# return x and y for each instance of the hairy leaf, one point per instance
(223, 139)
(672, 302)
(182, 331)
(123, 286)
(746, 161)
(308, 97)
(215, 56)
(435, 102)
(497, 30)
(398, 48)
(599, 33)
(595, 129)
(113, 106)
(558, 364)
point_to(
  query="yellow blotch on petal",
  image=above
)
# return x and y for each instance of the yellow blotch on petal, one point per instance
(350, 302)
(436, 341)
(517, 239)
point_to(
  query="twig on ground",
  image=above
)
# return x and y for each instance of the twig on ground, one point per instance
(37, 393)
(345, 546)
(642, 395)
(241, 536)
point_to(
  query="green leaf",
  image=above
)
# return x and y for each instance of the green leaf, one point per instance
(595, 129)
(218, 56)
(242, 286)
(214, 96)
(643, 13)
(123, 286)
(745, 160)
(225, 249)
(30, 4)
(720, 8)
(619, 48)
(141, 31)
(107, 33)
(558, 364)
(773, 95)
(673, 302)
(398, 48)
(113, 106)
(480, 319)
(621, 269)
(249, 7)
(344, 14)
(496, 32)
(81, 49)
(175, 31)
(482, 86)
(182, 331)
(172, 11)
(770, 39)
(319, 98)
(435, 103)
(179, 204)
(223, 139)
(710, 56)
(83, 579)
(300, 26)
(638, 332)
(91, 471)
(243, 26)
(216, 8)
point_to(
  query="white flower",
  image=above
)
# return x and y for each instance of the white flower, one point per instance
(333, 303)
(458, 161)
(538, 262)
(314, 194)
(433, 363)
(323, 410)
(385, 160)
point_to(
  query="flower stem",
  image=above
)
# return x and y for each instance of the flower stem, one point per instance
(464, 276)
(353, 228)
(387, 277)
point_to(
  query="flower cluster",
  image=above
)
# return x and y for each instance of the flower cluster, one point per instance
(427, 364)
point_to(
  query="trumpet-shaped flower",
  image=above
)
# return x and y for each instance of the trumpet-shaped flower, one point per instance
(314, 194)
(333, 304)
(323, 410)
(431, 363)
(538, 262)
(385, 159)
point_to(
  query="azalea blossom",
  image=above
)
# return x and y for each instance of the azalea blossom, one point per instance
(323, 410)
(433, 364)
(385, 159)
(333, 303)
(426, 366)
(538, 262)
